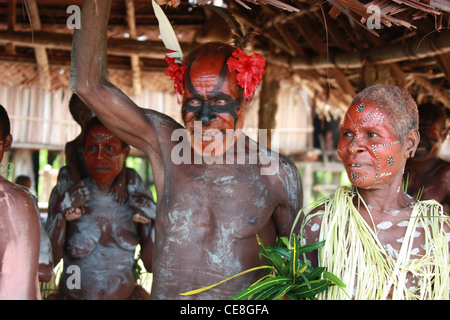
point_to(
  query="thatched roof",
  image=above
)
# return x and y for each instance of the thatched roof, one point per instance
(332, 48)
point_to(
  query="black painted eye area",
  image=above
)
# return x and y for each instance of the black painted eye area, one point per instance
(215, 102)
(220, 102)
(194, 102)
(197, 103)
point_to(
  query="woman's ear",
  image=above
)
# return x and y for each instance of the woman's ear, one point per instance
(412, 139)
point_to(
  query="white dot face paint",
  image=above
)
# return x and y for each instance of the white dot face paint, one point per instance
(104, 154)
(369, 149)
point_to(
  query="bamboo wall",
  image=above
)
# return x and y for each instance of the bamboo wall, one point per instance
(39, 119)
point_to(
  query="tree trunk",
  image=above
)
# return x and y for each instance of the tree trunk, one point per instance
(268, 102)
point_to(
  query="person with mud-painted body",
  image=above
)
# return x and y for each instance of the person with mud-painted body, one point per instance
(207, 213)
(401, 244)
(96, 236)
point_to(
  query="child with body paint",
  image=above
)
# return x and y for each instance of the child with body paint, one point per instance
(379, 241)
(96, 236)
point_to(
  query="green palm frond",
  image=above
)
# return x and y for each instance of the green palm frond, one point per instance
(287, 276)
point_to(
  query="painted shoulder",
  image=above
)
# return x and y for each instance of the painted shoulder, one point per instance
(15, 199)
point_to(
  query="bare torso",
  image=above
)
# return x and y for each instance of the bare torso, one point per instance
(389, 226)
(19, 243)
(206, 222)
(209, 229)
(102, 244)
(99, 246)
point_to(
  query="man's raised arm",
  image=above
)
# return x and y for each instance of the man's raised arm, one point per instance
(89, 80)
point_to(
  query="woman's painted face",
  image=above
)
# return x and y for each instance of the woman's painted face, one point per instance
(212, 105)
(370, 151)
(104, 154)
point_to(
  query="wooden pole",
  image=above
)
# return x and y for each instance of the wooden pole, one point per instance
(135, 68)
(119, 47)
(268, 101)
(39, 51)
(434, 44)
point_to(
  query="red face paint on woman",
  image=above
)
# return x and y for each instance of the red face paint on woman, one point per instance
(370, 151)
(212, 104)
(104, 154)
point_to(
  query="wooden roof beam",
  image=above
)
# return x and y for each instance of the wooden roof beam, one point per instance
(118, 47)
(135, 68)
(287, 36)
(340, 40)
(315, 42)
(268, 34)
(10, 47)
(437, 43)
(434, 91)
(39, 50)
(443, 61)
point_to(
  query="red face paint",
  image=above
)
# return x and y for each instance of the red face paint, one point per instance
(104, 154)
(370, 151)
(213, 98)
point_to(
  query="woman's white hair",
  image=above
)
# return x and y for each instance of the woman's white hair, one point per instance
(397, 103)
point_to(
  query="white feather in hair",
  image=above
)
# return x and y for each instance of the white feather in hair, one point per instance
(168, 35)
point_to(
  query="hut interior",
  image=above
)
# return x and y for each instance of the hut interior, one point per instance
(319, 54)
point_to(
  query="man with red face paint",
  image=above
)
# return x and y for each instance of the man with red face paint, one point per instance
(95, 235)
(429, 175)
(19, 233)
(374, 232)
(208, 212)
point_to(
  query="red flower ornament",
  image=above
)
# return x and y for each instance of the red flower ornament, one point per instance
(250, 70)
(175, 70)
